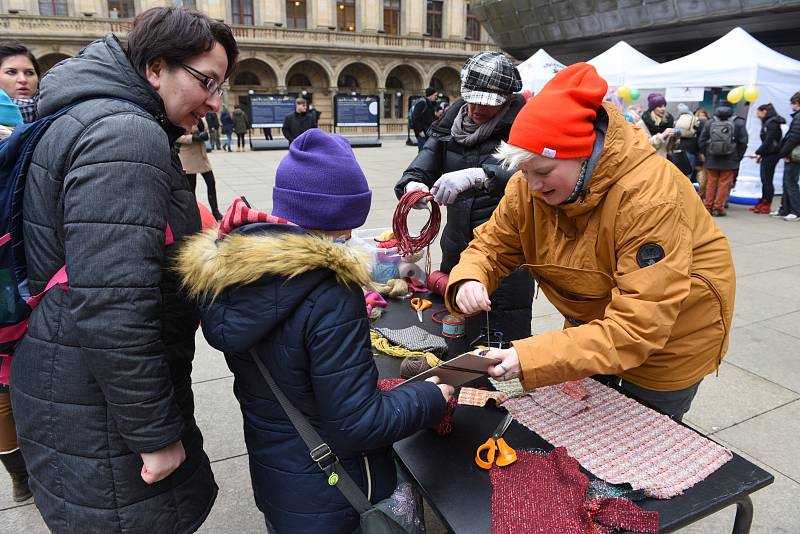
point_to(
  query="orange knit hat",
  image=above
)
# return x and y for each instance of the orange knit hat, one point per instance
(558, 122)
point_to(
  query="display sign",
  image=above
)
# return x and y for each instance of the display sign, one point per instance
(684, 94)
(268, 111)
(358, 110)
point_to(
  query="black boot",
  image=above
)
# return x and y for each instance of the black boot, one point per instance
(15, 465)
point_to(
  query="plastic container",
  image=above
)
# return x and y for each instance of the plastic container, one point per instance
(386, 263)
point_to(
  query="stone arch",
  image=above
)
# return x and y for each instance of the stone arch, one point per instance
(318, 73)
(47, 61)
(364, 74)
(446, 79)
(402, 81)
(253, 73)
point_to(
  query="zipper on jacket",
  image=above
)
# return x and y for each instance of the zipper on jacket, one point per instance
(369, 477)
(725, 327)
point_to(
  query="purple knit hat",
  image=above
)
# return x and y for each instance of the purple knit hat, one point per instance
(655, 100)
(319, 185)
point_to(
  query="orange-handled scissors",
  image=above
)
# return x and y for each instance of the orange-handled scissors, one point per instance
(420, 305)
(498, 452)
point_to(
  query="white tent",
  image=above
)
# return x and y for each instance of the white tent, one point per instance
(736, 58)
(538, 69)
(616, 63)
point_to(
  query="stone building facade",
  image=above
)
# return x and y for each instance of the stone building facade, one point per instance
(319, 48)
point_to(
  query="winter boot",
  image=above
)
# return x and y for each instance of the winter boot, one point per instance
(15, 465)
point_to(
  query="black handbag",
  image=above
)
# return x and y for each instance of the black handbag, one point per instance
(372, 520)
(200, 136)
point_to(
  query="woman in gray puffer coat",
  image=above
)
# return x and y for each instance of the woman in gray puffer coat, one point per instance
(101, 383)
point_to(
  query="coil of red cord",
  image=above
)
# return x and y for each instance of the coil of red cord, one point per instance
(408, 244)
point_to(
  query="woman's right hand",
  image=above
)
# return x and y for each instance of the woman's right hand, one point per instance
(472, 297)
(162, 463)
(418, 186)
(447, 390)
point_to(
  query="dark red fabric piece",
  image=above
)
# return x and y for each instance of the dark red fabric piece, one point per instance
(445, 426)
(542, 494)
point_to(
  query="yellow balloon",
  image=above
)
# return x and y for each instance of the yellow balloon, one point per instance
(736, 94)
(751, 93)
(624, 92)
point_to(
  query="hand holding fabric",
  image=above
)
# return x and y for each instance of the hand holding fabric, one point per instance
(451, 184)
(418, 186)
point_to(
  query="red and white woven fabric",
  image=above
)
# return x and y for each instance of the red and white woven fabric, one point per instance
(619, 440)
(479, 397)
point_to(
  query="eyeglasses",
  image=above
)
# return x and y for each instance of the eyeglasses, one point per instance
(211, 85)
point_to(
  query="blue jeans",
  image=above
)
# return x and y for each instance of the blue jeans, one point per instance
(421, 143)
(790, 200)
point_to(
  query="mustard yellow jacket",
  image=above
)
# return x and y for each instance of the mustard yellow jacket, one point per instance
(662, 325)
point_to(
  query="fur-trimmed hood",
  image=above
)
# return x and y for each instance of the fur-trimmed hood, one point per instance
(208, 266)
(256, 278)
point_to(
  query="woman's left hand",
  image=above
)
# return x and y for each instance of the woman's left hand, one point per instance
(508, 368)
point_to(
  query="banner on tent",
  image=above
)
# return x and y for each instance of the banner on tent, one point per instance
(684, 94)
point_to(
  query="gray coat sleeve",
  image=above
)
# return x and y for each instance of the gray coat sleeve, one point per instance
(116, 199)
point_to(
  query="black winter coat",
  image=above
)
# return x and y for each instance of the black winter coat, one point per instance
(740, 138)
(423, 117)
(771, 134)
(792, 137)
(296, 123)
(104, 371)
(296, 298)
(511, 303)
(668, 122)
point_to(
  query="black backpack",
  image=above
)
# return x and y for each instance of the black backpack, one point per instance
(721, 138)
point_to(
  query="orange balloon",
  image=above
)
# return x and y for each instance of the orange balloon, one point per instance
(206, 218)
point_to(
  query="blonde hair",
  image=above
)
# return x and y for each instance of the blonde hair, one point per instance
(511, 157)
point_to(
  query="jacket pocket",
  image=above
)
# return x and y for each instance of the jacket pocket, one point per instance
(723, 312)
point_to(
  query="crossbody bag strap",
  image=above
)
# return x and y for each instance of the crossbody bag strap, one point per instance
(321, 453)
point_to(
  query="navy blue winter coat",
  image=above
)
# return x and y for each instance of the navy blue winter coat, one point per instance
(296, 298)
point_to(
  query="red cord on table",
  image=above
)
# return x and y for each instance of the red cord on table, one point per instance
(408, 244)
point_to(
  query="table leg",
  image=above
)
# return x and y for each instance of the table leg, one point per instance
(744, 515)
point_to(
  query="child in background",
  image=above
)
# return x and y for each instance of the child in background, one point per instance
(289, 286)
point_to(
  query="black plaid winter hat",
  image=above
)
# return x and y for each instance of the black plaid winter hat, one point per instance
(488, 79)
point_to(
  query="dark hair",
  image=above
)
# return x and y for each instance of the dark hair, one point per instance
(15, 48)
(175, 35)
(300, 100)
(795, 98)
(769, 108)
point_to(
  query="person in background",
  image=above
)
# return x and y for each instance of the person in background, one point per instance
(658, 141)
(226, 122)
(688, 129)
(423, 116)
(19, 82)
(700, 173)
(101, 383)
(195, 160)
(620, 244)
(767, 154)
(240, 125)
(19, 77)
(212, 119)
(300, 120)
(289, 287)
(459, 168)
(790, 200)
(659, 123)
(723, 141)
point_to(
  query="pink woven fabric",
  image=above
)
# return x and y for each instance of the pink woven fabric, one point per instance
(619, 440)
(479, 397)
(546, 494)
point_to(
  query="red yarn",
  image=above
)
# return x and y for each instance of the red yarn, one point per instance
(445, 426)
(407, 244)
(437, 282)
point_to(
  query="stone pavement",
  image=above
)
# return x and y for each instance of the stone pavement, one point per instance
(752, 406)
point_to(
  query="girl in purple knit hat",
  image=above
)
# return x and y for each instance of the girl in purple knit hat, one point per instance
(288, 285)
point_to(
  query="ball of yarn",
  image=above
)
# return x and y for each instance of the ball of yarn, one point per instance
(394, 288)
(412, 366)
(383, 272)
(411, 270)
(414, 258)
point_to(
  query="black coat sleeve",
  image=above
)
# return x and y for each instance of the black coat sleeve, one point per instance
(287, 128)
(116, 199)
(792, 138)
(427, 167)
(741, 139)
(702, 142)
(418, 117)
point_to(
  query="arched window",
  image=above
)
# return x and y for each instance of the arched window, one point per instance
(299, 80)
(346, 80)
(437, 84)
(246, 78)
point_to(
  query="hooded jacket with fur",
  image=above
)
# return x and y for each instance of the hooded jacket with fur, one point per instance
(297, 299)
(636, 266)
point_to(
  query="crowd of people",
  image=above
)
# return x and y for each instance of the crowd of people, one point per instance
(593, 205)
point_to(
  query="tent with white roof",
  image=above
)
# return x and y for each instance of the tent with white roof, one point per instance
(736, 58)
(616, 63)
(537, 70)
